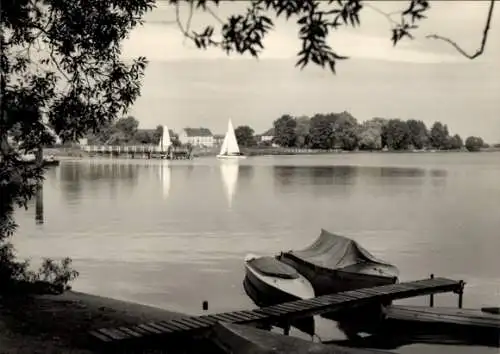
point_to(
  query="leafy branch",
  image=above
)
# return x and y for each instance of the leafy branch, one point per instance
(245, 33)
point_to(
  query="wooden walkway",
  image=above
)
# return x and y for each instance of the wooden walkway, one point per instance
(196, 325)
(443, 315)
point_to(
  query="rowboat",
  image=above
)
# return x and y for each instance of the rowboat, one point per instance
(270, 282)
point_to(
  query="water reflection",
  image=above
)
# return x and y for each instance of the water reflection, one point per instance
(164, 174)
(70, 175)
(315, 175)
(95, 176)
(284, 175)
(39, 206)
(229, 170)
(339, 175)
(397, 172)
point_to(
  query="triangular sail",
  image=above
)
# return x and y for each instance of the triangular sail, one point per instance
(165, 140)
(230, 144)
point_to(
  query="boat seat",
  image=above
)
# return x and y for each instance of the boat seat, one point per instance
(272, 267)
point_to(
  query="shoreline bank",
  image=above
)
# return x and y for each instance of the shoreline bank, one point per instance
(60, 323)
(76, 154)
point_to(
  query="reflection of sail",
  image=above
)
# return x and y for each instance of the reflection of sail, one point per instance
(165, 178)
(229, 171)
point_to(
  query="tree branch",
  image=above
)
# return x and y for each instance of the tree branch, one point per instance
(190, 18)
(388, 16)
(179, 23)
(483, 41)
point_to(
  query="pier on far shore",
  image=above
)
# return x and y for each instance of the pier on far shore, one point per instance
(140, 151)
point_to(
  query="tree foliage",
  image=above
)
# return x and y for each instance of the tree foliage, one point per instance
(342, 131)
(455, 142)
(370, 134)
(302, 131)
(439, 136)
(321, 131)
(418, 133)
(474, 143)
(245, 136)
(396, 134)
(60, 67)
(284, 131)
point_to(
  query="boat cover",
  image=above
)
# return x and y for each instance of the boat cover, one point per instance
(335, 252)
(272, 267)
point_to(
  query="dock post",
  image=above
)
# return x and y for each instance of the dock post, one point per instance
(205, 305)
(286, 330)
(431, 296)
(461, 294)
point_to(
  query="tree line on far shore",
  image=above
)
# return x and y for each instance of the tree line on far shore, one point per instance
(343, 131)
(126, 131)
(321, 131)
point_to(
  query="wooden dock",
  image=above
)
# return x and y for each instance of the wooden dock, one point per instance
(443, 315)
(241, 339)
(139, 151)
(403, 325)
(168, 332)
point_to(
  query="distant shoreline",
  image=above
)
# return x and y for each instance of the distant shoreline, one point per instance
(76, 153)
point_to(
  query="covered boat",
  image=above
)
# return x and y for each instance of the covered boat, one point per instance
(270, 282)
(336, 263)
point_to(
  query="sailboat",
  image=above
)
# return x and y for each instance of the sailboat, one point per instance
(165, 140)
(230, 148)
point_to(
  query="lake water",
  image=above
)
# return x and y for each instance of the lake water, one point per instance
(173, 234)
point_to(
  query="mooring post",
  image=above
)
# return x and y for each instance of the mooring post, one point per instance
(461, 294)
(205, 305)
(286, 330)
(431, 296)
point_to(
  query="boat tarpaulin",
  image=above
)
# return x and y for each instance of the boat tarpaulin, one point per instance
(336, 252)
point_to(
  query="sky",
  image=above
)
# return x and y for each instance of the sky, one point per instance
(420, 79)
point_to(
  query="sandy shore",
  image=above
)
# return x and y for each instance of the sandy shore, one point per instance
(59, 323)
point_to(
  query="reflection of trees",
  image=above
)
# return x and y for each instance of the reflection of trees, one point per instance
(245, 174)
(314, 175)
(71, 180)
(343, 175)
(400, 172)
(283, 175)
(76, 177)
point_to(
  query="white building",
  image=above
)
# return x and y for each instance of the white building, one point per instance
(202, 137)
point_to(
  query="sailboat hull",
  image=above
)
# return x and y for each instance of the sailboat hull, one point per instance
(231, 157)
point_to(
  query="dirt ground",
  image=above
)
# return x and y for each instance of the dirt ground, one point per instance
(60, 323)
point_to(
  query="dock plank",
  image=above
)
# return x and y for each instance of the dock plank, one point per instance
(443, 315)
(292, 310)
(150, 330)
(101, 336)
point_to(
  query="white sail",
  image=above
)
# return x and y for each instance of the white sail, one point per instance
(229, 172)
(165, 140)
(230, 144)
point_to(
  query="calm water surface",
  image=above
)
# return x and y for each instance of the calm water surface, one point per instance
(173, 234)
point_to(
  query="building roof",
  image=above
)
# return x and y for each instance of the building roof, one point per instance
(198, 132)
(219, 136)
(269, 132)
(153, 131)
